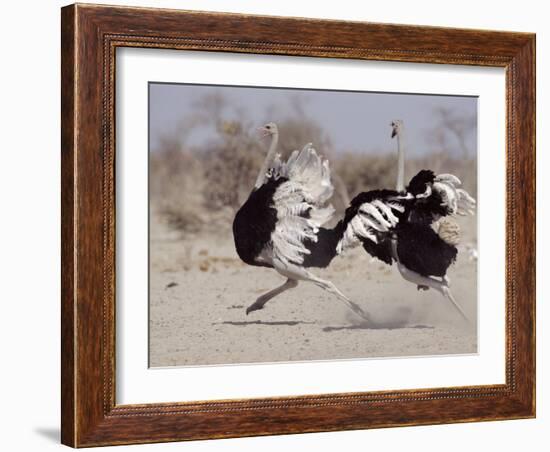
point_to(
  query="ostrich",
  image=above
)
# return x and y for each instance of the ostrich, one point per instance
(279, 226)
(410, 226)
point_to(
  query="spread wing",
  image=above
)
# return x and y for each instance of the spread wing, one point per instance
(370, 216)
(373, 215)
(300, 202)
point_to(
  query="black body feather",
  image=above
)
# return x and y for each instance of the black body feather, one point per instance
(324, 250)
(255, 221)
(418, 183)
(380, 250)
(419, 247)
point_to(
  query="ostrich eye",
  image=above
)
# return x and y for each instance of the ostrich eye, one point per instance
(268, 127)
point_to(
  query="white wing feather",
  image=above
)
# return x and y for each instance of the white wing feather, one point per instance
(307, 189)
(377, 215)
(372, 217)
(458, 200)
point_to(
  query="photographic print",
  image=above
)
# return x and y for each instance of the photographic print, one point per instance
(294, 225)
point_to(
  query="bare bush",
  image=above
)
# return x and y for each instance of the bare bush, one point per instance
(176, 182)
(232, 159)
(201, 187)
(231, 164)
(298, 131)
(361, 172)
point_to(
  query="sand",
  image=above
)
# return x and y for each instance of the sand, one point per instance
(199, 291)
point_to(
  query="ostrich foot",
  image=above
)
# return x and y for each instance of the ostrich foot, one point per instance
(422, 287)
(254, 307)
(358, 311)
(440, 286)
(263, 299)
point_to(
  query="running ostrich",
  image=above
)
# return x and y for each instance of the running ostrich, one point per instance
(279, 226)
(409, 226)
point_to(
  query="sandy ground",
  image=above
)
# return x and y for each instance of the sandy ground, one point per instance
(199, 291)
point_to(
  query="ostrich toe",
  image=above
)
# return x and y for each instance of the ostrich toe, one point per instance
(254, 307)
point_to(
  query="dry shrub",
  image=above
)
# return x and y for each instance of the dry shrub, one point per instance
(231, 164)
(176, 183)
(197, 189)
(232, 160)
(296, 132)
(202, 189)
(363, 172)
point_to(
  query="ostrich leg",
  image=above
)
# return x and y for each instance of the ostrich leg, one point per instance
(440, 286)
(299, 273)
(425, 281)
(263, 299)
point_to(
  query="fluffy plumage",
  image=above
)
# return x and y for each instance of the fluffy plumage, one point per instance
(376, 218)
(300, 203)
(448, 230)
(282, 218)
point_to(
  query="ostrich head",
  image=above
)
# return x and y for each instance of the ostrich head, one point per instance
(269, 129)
(396, 127)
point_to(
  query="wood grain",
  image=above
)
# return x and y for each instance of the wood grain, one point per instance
(68, 146)
(90, 36)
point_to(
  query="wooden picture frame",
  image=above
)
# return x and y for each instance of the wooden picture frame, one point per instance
(90, 36)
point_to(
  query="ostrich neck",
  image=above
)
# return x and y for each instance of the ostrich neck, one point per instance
(268, 161)
(400, 185)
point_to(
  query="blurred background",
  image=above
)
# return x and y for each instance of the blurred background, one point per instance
(205, 150)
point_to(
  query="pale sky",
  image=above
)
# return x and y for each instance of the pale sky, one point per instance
(354, 121)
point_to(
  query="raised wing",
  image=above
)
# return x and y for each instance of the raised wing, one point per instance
(370, 215)
(300, 202)
(373, 215)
